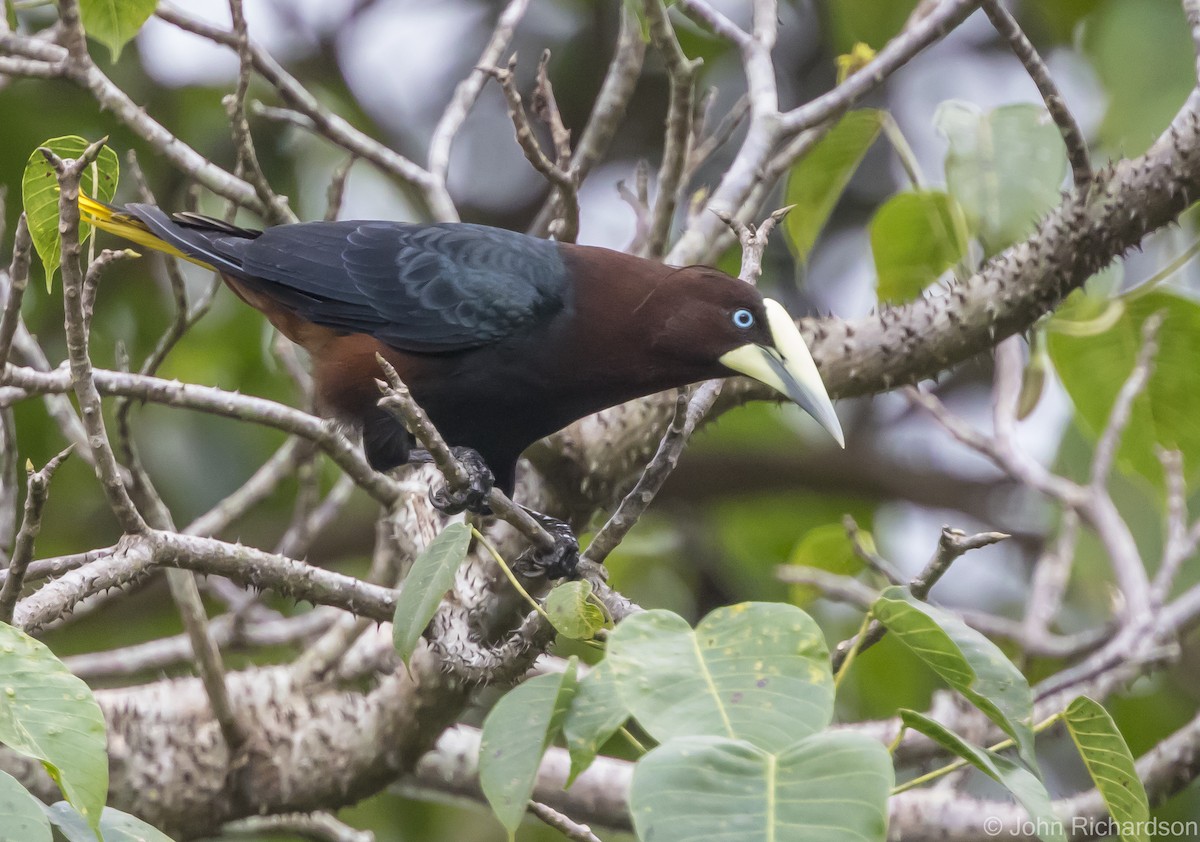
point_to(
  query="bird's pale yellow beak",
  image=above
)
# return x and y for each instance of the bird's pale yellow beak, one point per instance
(787, 367)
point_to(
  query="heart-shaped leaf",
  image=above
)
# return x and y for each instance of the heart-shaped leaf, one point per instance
(572, 611)
(965, 659)
(21, 817)
(1110, 763)
(430, 577)
(828, 548)
(831, 787)
(818, 179)
(1094, 364)
(595, 715)
(515, 736)
(114, 22)
(1004, 167)
(39, 193)
(915, 236)
(50, 715)
(757, 671)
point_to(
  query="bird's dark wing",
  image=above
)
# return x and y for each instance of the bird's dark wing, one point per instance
(424, 288)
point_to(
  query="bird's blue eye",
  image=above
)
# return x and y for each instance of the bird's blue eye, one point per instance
(743, 318)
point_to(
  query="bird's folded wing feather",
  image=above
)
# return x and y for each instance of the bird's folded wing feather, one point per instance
(422, 288)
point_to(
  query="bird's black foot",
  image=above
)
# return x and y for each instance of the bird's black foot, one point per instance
(557, 563)
(474, 497)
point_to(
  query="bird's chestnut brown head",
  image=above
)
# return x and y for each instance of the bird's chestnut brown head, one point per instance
(715, 318)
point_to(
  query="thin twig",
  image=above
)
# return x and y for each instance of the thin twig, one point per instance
(868, 555)
(1122, 409)
(38, 483)
(562, 179)
(321, 120)
(18, 280)
(399, 401)
(1077, 152)
(681, 72)
(573, 830)
(317, 827)
(467, 91)
(86, 393)
(952, 545)
(336, 192)
(690, 409)
(1191, 10)
(277, 210)
(607, 113)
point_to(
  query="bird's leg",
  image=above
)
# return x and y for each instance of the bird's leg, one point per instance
(474, 497)
(557, 563)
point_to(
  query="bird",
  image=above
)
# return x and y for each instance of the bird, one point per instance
(501, 337)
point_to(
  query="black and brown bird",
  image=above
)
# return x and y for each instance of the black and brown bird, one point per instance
(501, 337)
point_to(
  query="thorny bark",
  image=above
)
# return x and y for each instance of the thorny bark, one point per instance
(311, 745)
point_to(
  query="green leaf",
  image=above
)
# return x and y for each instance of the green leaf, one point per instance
(1111, 766)
(431, 575)
(114, 22)
(818, 179)
(756, 671)
(828, 548)
(1145, 61)
(1093, 365)
(870, 21)
(115, 826)
(572, 611)
(10, 15)
(637, 8)
(515, 736)
(1023, 784)
(595, 715)
(965, 659)
(50, 715)
(831, 787)
(39, 194)
(915, 236)
(21, 817)
(1004, 167)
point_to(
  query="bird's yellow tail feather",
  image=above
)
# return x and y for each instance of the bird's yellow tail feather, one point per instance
(107, 218)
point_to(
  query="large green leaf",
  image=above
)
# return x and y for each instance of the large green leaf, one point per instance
(1094, 365)
(915, 236)
(1111, 766)
(573, 612)
(50, 715)
(115, 826)
(515, 735)
(430, 577)
(757, 671)
(831, 787)
(965, 659)
(1004, 167)
(1145, 60)
(21, 817)
(39, 193)
(818, 179)
(595, 715)
(114, 22)
(1023, 784)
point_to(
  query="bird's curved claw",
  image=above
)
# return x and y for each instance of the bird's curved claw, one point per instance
(557, 563)
(479, 487)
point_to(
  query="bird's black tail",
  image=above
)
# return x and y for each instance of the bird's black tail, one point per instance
(193, 237)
